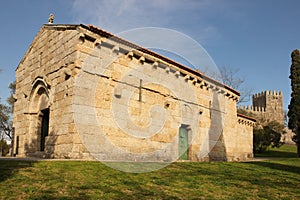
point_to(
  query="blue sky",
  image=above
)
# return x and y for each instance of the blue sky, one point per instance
(256, 37)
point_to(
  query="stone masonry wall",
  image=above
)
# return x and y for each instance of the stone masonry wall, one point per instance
(46, 75)
(267, 105)
(129, 116)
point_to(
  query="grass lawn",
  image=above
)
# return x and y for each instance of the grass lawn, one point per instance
(271, 179)
(285, 151)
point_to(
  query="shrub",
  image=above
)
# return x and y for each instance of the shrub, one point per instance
(269, 135)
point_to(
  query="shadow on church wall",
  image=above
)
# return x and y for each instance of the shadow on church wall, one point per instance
(216, 138)
(32, 148)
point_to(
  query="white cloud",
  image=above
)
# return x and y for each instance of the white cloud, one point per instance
(187, 16)
(192, 17)
(118, 15)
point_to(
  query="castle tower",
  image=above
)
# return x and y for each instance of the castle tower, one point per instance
(269, 105)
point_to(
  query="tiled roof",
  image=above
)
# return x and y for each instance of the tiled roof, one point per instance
(106, 34)
(246, 117)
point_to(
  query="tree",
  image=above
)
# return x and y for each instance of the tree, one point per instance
(6, 111)
(11, 100)
(245, 112)
(4, 148)
(5, 121)
(269, 135)
(294, 107)
(230, 78)
(265, 134)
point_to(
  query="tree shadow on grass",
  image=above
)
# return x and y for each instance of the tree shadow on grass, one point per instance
(277, 154)
(9, 166)
(278, 166)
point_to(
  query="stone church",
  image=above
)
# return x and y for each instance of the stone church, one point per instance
(83, 93)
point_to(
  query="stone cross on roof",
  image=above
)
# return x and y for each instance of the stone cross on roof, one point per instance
(51, 18)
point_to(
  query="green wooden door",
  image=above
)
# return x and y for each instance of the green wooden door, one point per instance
(183, 145)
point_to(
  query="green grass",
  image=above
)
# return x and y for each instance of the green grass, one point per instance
(285, 151)
(270, 179)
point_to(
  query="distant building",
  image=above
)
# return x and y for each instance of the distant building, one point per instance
(268, 106)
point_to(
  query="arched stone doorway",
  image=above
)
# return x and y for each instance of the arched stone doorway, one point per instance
(39, 115)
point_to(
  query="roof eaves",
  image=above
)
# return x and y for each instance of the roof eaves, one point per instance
(246, 117)
(152, 53)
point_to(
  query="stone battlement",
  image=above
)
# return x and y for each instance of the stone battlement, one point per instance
(252, 108)
(268, 105)
(267, 92)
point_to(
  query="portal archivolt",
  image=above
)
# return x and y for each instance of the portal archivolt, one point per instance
(39, 114)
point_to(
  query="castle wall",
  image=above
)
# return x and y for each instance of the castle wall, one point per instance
(112, 102)
(268, 106)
